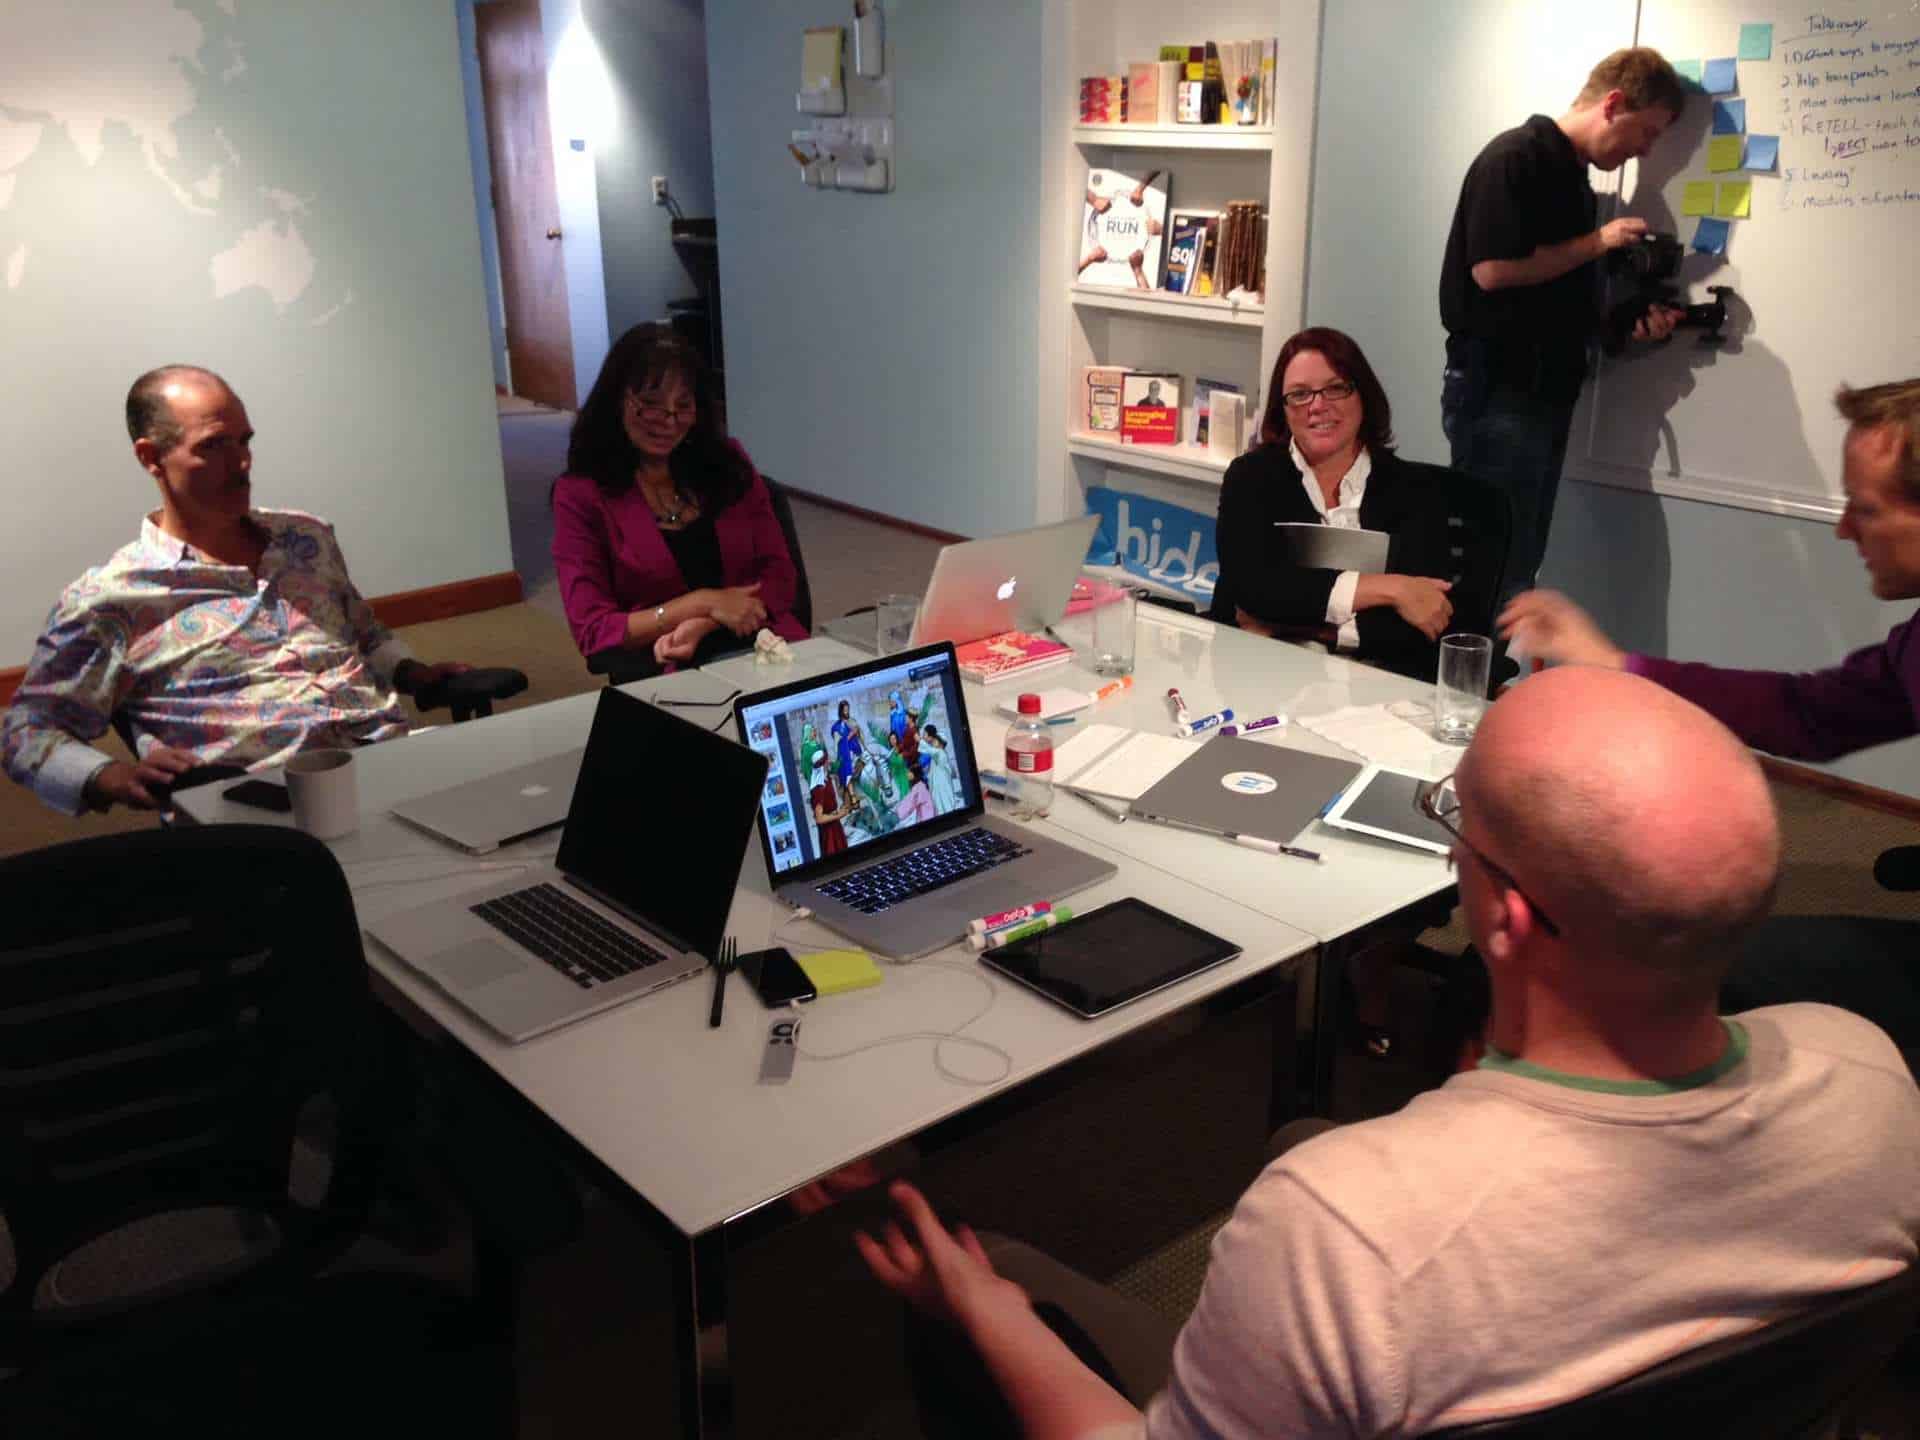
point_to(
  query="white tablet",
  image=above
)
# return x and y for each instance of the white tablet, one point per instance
(1383, 802)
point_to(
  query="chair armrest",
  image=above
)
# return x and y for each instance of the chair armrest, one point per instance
(472, 692)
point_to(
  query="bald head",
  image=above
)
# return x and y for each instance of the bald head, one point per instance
(1636, 819)
(150, 401)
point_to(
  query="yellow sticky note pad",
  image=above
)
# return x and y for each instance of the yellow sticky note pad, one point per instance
(833, 971)
(1698, 198)
(1736, 199)
(1723, 152)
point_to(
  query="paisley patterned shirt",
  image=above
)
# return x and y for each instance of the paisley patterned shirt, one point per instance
(189, 652)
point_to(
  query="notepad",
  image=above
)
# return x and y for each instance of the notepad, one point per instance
(835, 971)
(1117, 763)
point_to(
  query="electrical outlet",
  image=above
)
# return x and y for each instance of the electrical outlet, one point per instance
(659, 189)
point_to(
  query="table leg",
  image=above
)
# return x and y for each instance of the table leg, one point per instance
(705, 1361)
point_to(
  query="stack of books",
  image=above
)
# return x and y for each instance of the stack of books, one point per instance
(1009, 656)
(1216, 252)
(1103, 100)
(1144, 407)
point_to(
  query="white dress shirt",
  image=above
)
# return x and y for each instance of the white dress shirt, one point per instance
(1343, 516)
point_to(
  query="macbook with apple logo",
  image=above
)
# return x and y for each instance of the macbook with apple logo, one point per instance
(482, 815)
(1020, 581)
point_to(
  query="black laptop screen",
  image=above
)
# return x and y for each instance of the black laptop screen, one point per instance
(872, 753)
(660, 819)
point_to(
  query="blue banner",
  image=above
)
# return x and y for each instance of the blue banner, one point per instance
(1169, 545)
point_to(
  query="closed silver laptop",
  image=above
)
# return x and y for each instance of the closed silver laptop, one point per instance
(636, 898)
(1020, 581)
(482, 815)
(872, 814)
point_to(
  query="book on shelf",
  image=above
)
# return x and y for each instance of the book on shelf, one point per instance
(1204, 272)
(1150, 408)
(1152, 92)
(1103, 100)
(1235, 258)
(1204, 393)
(1227, 424)
(1100, 398)
(1009, 656)
(1186, 238)
(1123, 229)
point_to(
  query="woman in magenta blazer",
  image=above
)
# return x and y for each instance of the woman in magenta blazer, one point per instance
(664, 539)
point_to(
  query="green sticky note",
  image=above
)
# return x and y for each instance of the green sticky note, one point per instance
(1736, 199)
(1756, 42)
(1698, 199)
(1724, 152)
(1688, 70)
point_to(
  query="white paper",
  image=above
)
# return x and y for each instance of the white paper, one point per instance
(1396, 737)
(1117, 763)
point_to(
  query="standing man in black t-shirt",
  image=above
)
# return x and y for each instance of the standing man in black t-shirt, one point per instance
(1518, 292)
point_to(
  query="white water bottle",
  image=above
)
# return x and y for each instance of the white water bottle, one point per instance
(1030, 757)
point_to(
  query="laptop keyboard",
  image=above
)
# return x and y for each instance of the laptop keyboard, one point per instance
(901, 877)
(580, 944)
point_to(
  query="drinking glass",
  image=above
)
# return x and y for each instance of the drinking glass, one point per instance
(894, 614)
(1460, 694)
(1115, 609)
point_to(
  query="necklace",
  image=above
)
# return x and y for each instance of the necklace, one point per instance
(669, 511)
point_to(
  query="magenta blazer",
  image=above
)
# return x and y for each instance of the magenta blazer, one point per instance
(610, 558)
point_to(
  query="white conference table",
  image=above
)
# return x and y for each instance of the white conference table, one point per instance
(700, 1176)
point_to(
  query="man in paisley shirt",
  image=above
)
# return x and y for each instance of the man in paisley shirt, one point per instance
(222, 635)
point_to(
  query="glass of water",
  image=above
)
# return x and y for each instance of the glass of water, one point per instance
(894, 615)
(1460, 695)
(1115, 610)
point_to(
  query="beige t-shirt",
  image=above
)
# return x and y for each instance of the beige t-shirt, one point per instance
(1510, 1242)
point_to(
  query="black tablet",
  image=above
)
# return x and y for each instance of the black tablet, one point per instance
(1099, 961)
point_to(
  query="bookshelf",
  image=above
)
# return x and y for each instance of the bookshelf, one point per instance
(1206, 167)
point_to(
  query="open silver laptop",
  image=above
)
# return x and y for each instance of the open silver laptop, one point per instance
(1020, 581)
(482, 815)
(872, 815)
(636, 898)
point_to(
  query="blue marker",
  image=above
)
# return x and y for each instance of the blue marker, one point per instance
(1201, 723)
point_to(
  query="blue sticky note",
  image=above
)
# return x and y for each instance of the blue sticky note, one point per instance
(1688, 70)
(1722, 77)
(1729, 117)
(1763, 152)
(1756, 42)
(1710, 238)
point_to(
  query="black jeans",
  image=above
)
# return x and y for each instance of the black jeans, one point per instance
(1516, 441)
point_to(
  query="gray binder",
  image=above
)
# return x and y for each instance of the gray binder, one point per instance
(1326, 547)
(1233, 786)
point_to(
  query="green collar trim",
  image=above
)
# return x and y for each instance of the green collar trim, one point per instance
(1736, 1051)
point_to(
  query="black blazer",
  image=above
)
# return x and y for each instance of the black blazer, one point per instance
(1406, 499)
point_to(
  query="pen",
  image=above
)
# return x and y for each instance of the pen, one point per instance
(1118, 816)
(1274, 847)
(1113, 687)
(1179, 706)
(1063, 720)
(1201, 723)
(1265, 722)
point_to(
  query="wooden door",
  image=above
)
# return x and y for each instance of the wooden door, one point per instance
(533, 278)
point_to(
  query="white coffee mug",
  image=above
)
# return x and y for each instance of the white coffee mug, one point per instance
(326, 802)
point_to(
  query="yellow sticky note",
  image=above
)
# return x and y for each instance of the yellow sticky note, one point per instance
(833, 971)
(1723, 152)
(1698, 198)
(1736, 199)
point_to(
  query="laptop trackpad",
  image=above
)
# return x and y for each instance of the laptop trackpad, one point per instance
(473, 963)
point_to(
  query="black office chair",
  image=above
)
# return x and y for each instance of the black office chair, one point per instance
(622, 666)
(1898, 868)
(176, 1006)
(1792, 1379)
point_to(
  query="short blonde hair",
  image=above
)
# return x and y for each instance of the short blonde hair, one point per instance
(1640, 74)
(1896, 403)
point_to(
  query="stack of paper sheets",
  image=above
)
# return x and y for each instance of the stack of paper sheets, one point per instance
(1117, 763)
(1398, 736)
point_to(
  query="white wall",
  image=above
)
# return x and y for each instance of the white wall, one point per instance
(1409, 93)
(880, 348)
(308, 160)
(656, 55)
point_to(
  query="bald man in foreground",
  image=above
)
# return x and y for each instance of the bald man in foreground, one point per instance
(1627, 1174)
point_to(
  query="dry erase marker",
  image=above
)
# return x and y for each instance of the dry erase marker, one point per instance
(1002, 788)
(1063, 720)
(1113, 687)
(1179, 706)
(1009, 917)
(1274, 847)
(1036, 926)
(1265, 722)
(1200, 724)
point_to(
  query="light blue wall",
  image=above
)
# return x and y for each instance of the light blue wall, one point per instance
(335, 130)
(477, 155)
(656, 55)
(1679, 577)
(880, 349)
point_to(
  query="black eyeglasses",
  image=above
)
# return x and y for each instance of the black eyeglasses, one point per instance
(1440, 803)
(1303, 397)
(662, 414)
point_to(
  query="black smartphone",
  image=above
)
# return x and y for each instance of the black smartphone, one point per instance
(261, 794)
(777, 977)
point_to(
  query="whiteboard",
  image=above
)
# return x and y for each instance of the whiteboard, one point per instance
(1824, 269)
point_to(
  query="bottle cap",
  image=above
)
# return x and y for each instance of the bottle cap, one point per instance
(1029, 704)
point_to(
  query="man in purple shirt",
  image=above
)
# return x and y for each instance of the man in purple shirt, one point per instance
(1870, 698)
